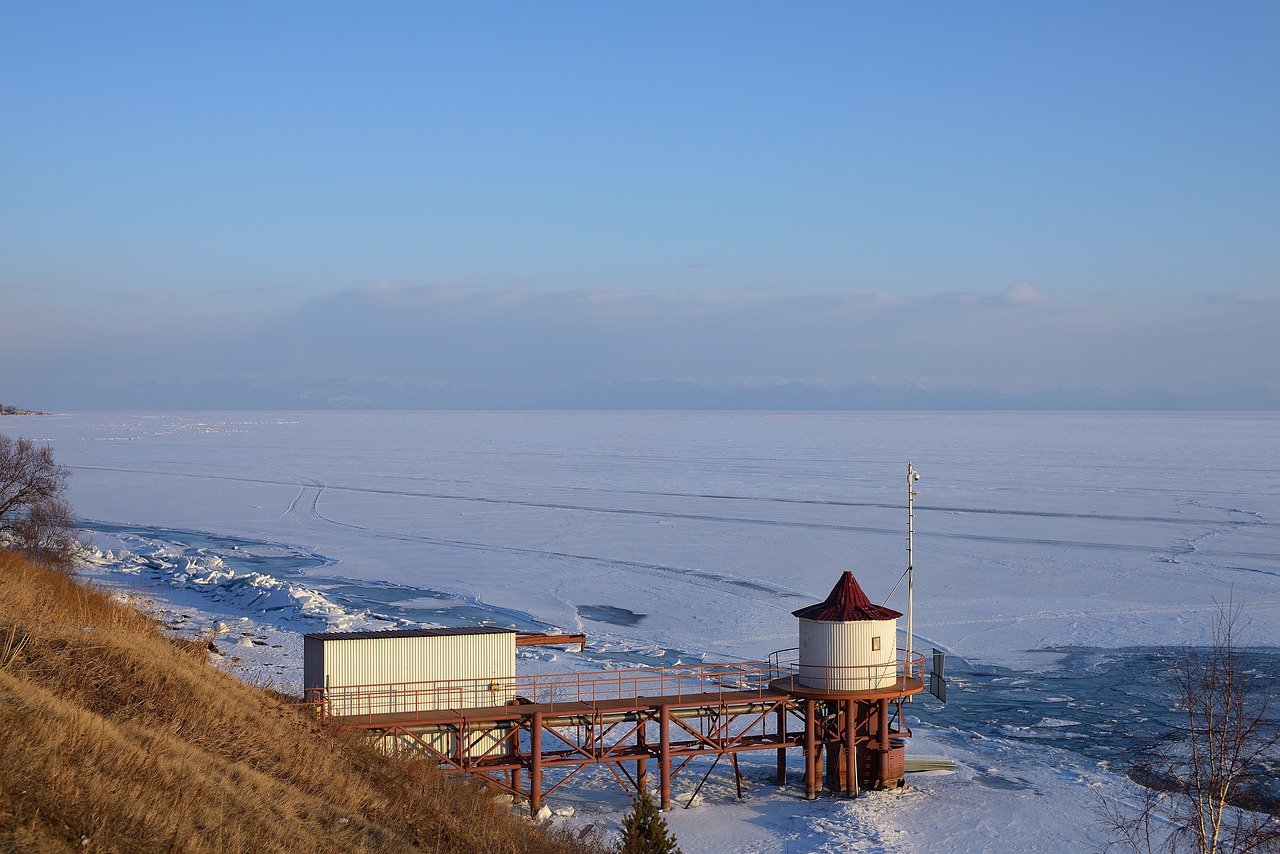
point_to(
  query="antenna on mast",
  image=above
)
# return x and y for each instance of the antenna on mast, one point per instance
(912, 477)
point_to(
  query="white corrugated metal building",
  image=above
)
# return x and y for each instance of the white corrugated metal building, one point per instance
(369, 673)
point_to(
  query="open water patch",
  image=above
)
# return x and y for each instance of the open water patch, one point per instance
(610, 614)
(1106, 704)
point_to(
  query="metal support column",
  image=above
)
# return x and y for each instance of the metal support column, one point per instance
(850, 748)
(664, 754)
(642, 742)
(882, 731)
(810, 751)
(535, 763)
(782, 751)
(834, 744)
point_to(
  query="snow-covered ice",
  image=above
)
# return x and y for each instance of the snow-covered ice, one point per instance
(1048, 547)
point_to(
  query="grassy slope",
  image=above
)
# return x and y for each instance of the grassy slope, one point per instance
(115, 738)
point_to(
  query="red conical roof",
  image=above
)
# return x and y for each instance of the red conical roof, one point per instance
(846, 603)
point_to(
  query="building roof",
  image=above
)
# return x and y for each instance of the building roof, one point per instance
(846, 603)
(408, 633)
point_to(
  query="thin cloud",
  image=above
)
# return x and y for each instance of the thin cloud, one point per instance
(538, 341)
(257, 290)
(958, 297)
(142, 295)
(1022, 294)
(1247, 297)
(401, 296)
(1019, 294)
(25, 287)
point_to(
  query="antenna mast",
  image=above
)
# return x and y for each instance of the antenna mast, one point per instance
(912, 477)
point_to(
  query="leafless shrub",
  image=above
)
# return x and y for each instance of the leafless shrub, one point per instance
(1209, 785)
(35, 517)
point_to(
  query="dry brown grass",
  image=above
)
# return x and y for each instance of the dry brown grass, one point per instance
(115, 738)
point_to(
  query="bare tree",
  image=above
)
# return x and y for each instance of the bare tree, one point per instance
(1210, 785)
(35, 517)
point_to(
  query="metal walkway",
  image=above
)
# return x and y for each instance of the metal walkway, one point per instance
(528, 735)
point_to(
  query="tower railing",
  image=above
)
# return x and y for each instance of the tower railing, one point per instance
(906, 673)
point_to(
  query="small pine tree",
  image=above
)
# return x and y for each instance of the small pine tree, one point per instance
(644, 830)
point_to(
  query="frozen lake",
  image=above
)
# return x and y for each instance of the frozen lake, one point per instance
(1056, 553)
(702, 532)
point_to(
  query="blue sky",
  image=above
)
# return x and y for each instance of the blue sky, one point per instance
(1007, 195)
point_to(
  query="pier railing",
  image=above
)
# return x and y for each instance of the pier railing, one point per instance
(555, 691)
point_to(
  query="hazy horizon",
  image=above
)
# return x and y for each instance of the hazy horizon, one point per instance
(575, 205)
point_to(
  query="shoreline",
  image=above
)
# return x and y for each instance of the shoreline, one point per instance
(1000, 781)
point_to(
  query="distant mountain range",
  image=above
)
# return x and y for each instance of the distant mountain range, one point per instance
(660, 394)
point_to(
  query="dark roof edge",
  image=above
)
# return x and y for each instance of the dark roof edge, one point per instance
(409, 633)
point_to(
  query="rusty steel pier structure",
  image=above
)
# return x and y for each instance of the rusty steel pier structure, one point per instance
(540, 731)
(837, 698)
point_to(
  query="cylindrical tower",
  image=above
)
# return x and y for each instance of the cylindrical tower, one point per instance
(846, 642)
(847, 675)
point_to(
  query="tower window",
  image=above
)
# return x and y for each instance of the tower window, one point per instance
(875, 644)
